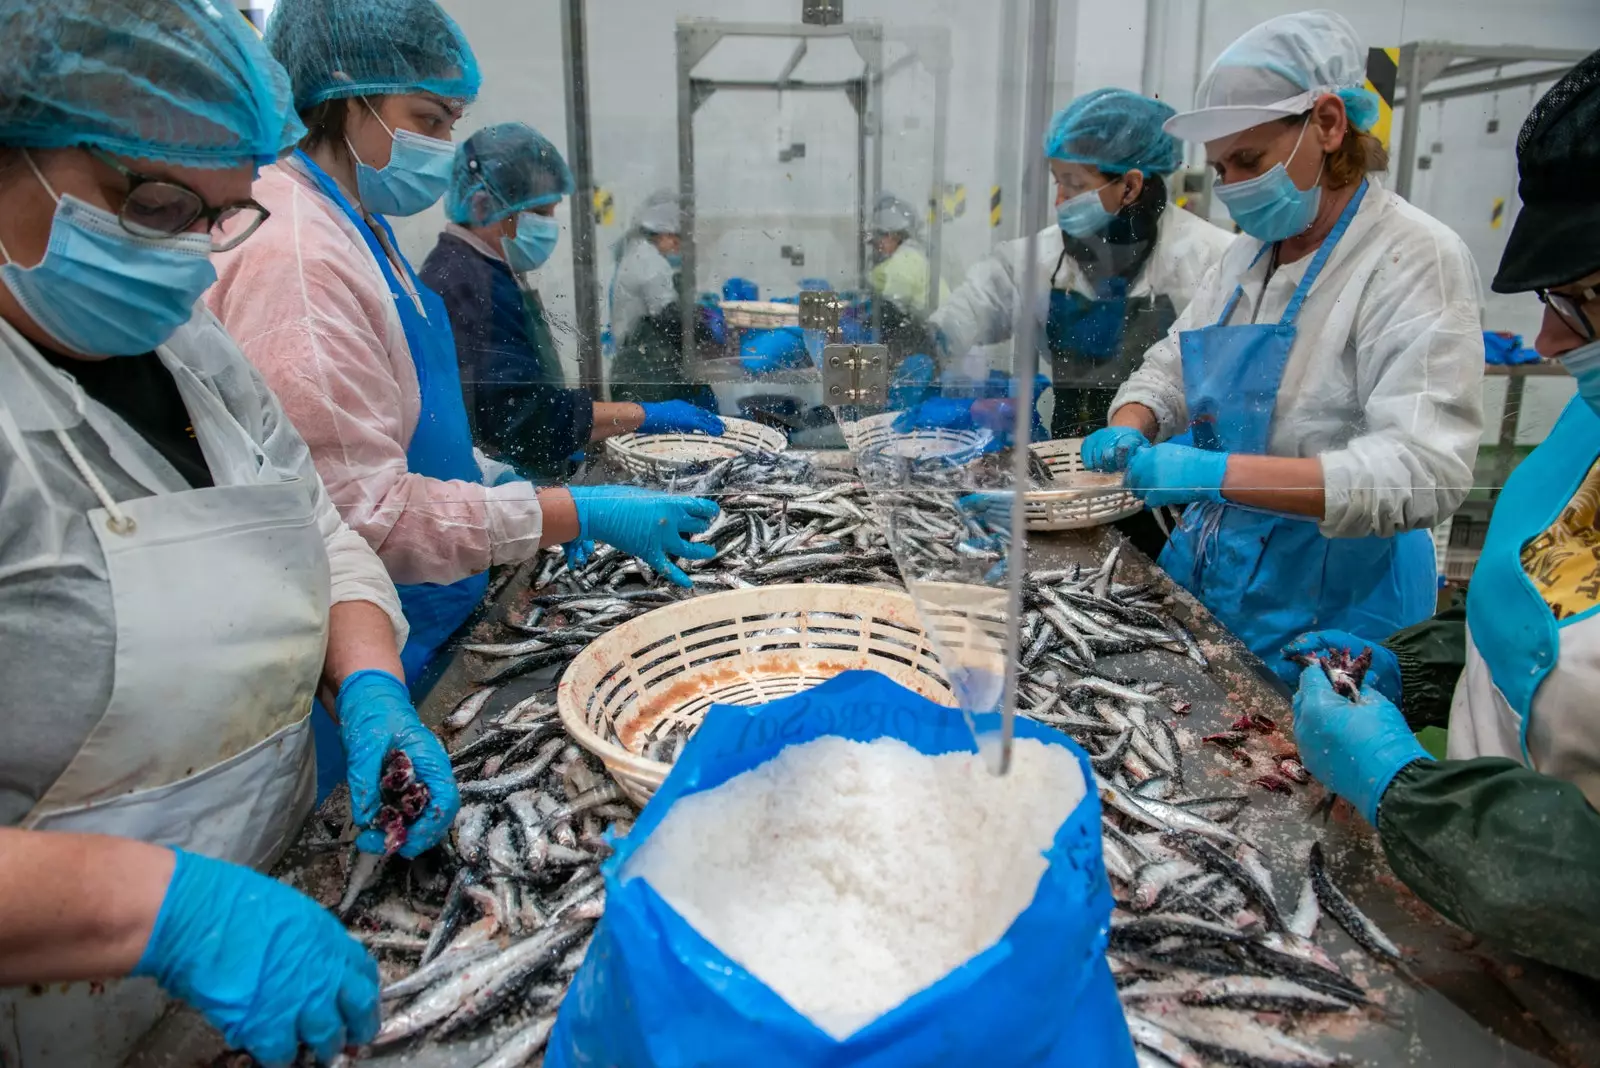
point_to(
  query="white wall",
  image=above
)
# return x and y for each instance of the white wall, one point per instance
(762, 204)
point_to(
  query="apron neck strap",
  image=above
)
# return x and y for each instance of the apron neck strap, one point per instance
(364, 226)
(1303, 290)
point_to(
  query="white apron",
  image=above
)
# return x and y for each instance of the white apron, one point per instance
(221, 598)
(1531, 687)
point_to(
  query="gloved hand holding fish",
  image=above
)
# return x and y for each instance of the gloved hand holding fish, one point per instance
(401, 787)
(1332, 649)
(1357, 749)
(655, 527)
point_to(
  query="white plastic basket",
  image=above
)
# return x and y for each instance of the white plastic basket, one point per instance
(760, 314)
(875, 437)
(1085, 498)
(742, 647)
(654, 454)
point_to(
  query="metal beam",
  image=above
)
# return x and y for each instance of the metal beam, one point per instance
(1411, 77)
(585, 286)
(693, 44)
(1538, 77)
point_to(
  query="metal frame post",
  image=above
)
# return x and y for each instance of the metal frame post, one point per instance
(585, 287)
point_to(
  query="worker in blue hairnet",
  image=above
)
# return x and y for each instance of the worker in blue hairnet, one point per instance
(1114, 269)
(507, 182)
(646, 316)
(175, 582)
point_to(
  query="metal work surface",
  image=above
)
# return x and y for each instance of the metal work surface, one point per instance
(1473, 1007)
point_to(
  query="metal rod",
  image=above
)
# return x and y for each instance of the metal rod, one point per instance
(686, 195)
(941, 107)
(1538, 77)
(585, 296)
(1411, 79)
(1155, 46)
(1007, 155)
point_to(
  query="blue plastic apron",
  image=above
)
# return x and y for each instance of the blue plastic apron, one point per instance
(441, 448)
(1267, 577)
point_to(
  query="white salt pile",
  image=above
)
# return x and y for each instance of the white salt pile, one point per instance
(847, 876)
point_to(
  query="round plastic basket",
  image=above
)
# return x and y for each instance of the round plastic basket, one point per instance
(653, 454)
(760, 314)
(1084, 498)
(875, 437)
(744, 647)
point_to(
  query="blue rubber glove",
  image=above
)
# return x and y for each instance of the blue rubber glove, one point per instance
(577, 553)
(376, 718)
(1355, 748)
(651, 526)
(912, 382)
(773, 350)
(1110, 448)
(680, 416)
(936, 413)
(1384, 673)
(1176, 474)
(993, 507)
(266, 965)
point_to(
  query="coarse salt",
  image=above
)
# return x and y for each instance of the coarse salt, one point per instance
(847, 876)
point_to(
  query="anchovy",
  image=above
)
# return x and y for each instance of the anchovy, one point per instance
(534, 955)
(1346, 914)
(445, 964)
(467, 711)
(522, 1046)
(1258, 993)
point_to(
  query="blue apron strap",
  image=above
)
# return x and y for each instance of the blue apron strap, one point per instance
(1303, 290)
(1238, 291)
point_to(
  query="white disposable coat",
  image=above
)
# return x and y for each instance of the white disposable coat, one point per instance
(988, 306)
(642, 286)
(1382, 383)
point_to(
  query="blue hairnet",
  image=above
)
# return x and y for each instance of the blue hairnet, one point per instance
(180, 81)
(1115, 131)
(343, 48)
(502, 170)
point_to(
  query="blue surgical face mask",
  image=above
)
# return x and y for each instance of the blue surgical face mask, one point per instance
(1583, 363)
(674, 259)
(537, 236)
(1270, 207)
(101, 291)
(417, 175)
(1084, 215)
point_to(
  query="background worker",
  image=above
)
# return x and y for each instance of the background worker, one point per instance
(1328, 369)
(360, 351)
(900, 270)
(1113, 271)
(175, 584)
(646, 318)
(504, 189)
(1504, 837)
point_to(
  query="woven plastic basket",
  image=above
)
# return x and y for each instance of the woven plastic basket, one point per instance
(760, 314)
(875, 437)
(655, 454)
(1086, 498)
(743, 647)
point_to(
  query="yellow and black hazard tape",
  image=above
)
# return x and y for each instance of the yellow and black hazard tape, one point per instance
(1383, 74)
(994, 206)
(605, 208)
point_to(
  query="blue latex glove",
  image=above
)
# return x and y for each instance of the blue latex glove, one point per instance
(993, 507)
(266, 965)
(1384, 673)
(681, 416)
(936, 413)
(1110, 448)
(578, 553)
(1176, 474)
(651, 526)
(1355, 748)
(764, 351)
(376, 718)
(912, 382)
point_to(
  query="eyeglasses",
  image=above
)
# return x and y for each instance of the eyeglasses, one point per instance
(1569, 309)
(161, 207)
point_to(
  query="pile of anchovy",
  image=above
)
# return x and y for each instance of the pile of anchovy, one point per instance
(1212, 964)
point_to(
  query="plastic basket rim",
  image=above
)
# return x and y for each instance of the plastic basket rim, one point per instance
(1046, 501)
(626, 449)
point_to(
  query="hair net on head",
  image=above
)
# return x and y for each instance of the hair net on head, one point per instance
(342, 48)
(180, 81)
(1279, 69)
(891, 215)
(658, 214)
(1116, 131)
(502, 170)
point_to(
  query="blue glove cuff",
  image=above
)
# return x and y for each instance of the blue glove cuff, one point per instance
(580, 500)
(358, 683)
(152, 962)
(1387, 760)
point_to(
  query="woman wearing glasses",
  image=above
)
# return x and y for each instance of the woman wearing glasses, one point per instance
(175, 584)
(361, 352)
(1504, 837)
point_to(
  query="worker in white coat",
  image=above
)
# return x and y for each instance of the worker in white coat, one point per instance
(900, 270)
(1113, 271)
(175, 584)
(1328, 371)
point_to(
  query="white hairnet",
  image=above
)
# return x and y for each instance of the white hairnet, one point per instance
(658, 214)
(891, 215)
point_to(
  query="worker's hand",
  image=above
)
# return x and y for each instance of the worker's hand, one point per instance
(764, 351)
(651, 526)
(1384, 673)
(680, 417)
(375, 719)
(1110, 448)
(267, 966)
(992, 508)
(936, 413)
(1176, 474)
(1355, 748)
(577, 553)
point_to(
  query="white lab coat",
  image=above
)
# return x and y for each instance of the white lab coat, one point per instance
(642, 286)
(1382, 383)
(987, 308)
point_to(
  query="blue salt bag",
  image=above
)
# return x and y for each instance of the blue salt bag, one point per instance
(653, 993)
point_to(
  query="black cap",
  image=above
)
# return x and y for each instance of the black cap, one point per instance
(1556, 238)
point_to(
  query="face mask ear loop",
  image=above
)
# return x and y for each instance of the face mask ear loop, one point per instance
(1296, 151)
(34, 167)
